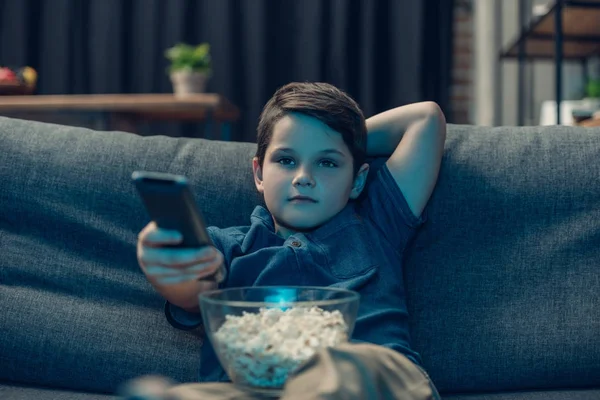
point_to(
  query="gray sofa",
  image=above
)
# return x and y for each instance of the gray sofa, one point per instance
(503, 280)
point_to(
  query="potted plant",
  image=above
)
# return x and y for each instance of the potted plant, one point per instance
(190, 68)
(591, 100)
(592, 89)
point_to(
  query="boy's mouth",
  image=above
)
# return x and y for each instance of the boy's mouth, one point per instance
(302, 199)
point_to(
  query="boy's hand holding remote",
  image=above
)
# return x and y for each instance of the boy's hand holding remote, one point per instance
(176, 273)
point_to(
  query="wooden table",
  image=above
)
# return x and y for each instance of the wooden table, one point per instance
(124, 111)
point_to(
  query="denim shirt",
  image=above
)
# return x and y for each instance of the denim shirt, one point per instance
(360, 249)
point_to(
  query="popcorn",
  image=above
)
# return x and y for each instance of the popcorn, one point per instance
(262, 349)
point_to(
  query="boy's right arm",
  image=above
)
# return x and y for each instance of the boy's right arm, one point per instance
(175, 273)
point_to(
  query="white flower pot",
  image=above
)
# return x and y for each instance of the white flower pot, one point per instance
(591, 103)
(186, 83)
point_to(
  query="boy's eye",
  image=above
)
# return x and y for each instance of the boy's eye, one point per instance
(285, 161)
(290, 162)
(329, 163)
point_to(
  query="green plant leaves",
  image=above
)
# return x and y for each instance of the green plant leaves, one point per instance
(192, 58)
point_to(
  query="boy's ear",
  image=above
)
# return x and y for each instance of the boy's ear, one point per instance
(360, 181)
(257, 171)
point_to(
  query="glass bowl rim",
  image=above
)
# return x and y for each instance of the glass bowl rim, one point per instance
(351, 297)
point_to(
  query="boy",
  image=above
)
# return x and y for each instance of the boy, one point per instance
(323, 224)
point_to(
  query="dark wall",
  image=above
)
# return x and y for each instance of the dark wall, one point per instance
(385, 53)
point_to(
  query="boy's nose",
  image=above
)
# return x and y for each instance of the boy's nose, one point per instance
(303, 179)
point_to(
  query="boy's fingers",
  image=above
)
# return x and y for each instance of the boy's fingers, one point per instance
(206, 269)
(177, 258)
(193, 272)
(171, 280)
(159, 270)
(152, 236)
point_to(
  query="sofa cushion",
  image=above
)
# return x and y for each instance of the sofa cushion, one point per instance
(78, 312)
(14, 392)
(503, 280)
(544, 395)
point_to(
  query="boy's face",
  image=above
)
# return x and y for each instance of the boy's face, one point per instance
(307, 174)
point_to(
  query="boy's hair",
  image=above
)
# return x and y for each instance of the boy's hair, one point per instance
(319, 100)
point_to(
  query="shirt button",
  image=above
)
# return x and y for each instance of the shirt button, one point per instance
(296, 243)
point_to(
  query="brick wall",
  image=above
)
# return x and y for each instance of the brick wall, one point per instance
(462, 70)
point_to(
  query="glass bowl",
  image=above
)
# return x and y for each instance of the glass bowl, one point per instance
(263, 333)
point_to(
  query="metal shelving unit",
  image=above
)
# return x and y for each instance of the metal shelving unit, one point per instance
(569, 31)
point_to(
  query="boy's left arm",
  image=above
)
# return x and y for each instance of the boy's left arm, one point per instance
(414, 135)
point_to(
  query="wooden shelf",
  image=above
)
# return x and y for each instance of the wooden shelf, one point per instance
(125, 111)
(119, 102)
(8, 89)
(581, 33)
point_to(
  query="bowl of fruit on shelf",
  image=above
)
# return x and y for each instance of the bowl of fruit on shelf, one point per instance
(17, 81)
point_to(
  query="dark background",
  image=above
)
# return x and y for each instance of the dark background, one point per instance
(384, 53)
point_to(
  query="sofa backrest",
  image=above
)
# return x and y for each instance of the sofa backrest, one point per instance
(78, 312)
(502, 280)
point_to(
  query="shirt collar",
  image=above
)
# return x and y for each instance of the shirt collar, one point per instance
(262, 216)
(347, 215)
